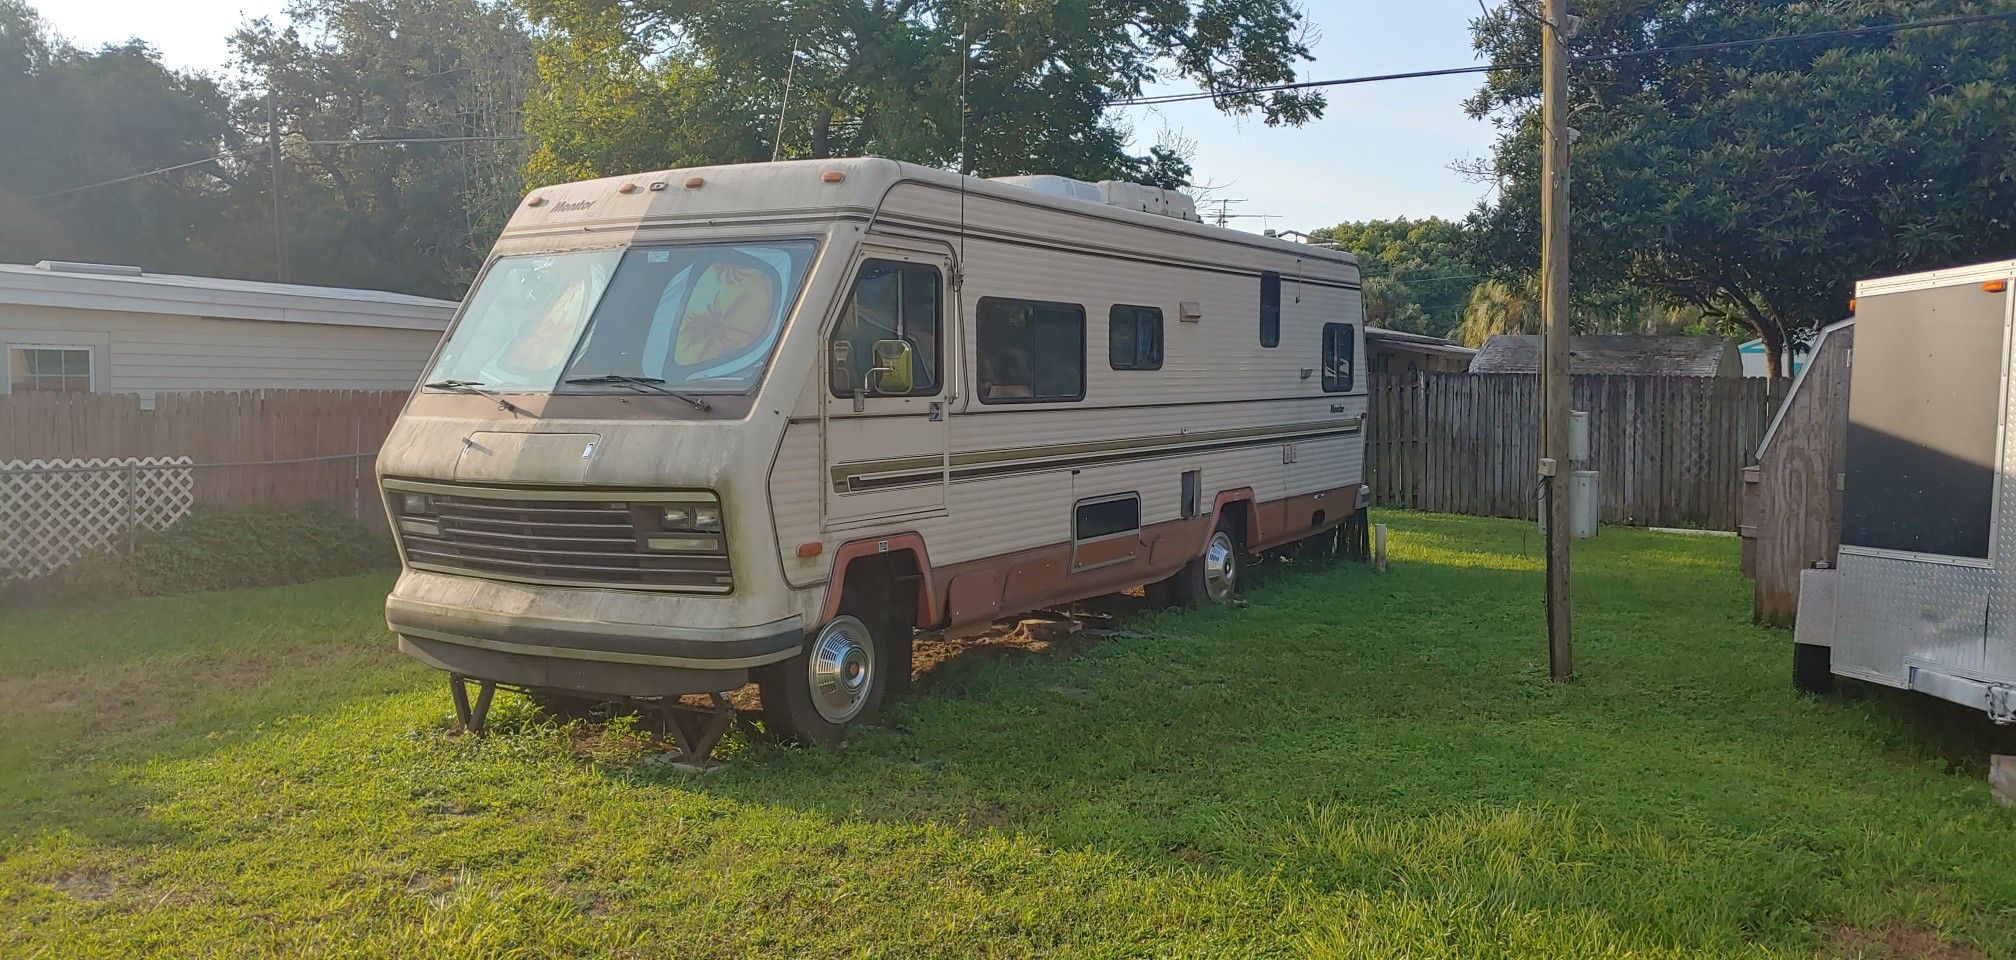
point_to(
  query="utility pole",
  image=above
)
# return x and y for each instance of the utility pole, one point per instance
(273, 156)
(1554, 381)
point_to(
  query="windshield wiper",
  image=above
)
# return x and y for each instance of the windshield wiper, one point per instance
(475, 387)
(652, 384)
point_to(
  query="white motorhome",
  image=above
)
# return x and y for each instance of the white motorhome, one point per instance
(702, 426)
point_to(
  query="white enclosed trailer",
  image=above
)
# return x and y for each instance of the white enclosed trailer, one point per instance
(1924, 595)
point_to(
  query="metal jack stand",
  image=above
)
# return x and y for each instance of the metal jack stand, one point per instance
(696, 729)
(471, 719)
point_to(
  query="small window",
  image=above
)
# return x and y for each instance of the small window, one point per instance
(1134, 337)
(1340, 355)
(50, 369)
(1270, 309)
(1193, 486)
(1029, 351)
(894, 305)
(1105, 518)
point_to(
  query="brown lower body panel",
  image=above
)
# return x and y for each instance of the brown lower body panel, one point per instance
(977, 592)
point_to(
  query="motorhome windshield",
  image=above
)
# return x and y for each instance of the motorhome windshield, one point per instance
(698, 318)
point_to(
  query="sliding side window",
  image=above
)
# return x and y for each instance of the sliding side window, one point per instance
(1029, 351)
(1134, 337)
(887, 343)
(1340, 357)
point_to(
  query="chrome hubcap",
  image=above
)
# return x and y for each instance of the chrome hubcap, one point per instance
(842, 669)
(1221, 567)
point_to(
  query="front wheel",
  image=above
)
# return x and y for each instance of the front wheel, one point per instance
(1812, 668)
(836, 682)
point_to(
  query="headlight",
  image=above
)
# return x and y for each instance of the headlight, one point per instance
(701, 518)
(413, 504)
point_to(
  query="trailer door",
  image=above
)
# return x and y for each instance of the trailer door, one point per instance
(889, 366)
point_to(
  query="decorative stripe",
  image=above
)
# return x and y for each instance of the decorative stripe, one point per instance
(863, 475)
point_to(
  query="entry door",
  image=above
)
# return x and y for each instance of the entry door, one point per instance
(888, 368)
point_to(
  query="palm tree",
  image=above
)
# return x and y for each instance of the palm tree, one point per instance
(1497, 306)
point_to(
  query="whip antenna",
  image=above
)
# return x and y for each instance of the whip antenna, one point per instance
(777, 145)
(965, 64)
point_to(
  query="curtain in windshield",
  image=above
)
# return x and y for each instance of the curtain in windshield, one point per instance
(699, 317)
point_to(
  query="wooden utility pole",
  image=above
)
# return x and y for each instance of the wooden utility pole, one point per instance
(1554, 381)
(273, 156)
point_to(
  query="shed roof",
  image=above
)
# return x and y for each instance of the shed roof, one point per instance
(1417, 342)
(1641, 355)
(90, 286)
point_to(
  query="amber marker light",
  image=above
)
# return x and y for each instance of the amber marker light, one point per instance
(627, 188)
(1995, 286)
(832, 176)
(536, 202)
(695, 183)
(810, 550)
(1851, 304)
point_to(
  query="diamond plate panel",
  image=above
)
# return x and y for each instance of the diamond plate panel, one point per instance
(1894, 611)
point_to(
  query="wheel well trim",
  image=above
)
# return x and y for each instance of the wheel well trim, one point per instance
(912, 543)
(1225, 499)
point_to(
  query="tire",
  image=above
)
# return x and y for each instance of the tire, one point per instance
(836, 683)
(1209, 578)
(1812, 668)
(1320, 547)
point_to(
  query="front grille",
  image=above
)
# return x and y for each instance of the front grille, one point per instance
(497, 534)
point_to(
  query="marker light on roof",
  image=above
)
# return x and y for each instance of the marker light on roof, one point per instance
(1995, 286)
(832, 176)
(627, 188)
(694, 183)
(536, 202)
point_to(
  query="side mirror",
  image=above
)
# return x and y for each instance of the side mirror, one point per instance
(891, 375)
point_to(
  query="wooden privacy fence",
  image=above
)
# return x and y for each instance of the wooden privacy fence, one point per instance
(1669, 450)
(243, 449)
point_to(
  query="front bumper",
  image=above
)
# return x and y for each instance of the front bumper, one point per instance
(586, 656)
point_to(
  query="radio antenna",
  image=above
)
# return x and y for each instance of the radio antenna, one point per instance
(777, 145)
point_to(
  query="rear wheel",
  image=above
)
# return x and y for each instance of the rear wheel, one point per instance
(838, 681)
(1212, 577)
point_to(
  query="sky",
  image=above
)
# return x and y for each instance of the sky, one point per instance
(1381, 150)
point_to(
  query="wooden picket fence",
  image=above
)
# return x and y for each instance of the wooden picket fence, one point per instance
(1669, 451)
(251, 448)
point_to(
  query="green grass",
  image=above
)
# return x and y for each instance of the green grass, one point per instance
(1355, 765)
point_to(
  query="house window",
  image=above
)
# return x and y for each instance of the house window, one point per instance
(892, 302)
(1029, 351)
(1134, 337)
(1340, 353)
(1270, 309)
(49, 369)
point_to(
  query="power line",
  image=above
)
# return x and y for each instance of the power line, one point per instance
(1592, 58)
(364, 142)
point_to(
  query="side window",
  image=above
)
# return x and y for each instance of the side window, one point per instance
(894, 312)
(1029, 351)
(1270, 309)
(1340, 355)
(1134, 337)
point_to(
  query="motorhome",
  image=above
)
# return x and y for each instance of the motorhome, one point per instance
(699, 427)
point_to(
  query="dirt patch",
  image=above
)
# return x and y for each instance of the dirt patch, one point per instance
(1894, 943)
(86, 883)
(1051, 634)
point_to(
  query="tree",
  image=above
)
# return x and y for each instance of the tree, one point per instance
(1418, 273)
(75, 118)
(417, 216)
(1501, 307)
(637, 84)
(1756, 184)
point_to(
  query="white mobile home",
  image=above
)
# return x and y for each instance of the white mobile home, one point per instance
(698, 425)
(1924, 595)
(101, 328)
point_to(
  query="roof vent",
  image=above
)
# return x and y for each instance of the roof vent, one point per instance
(100, 269)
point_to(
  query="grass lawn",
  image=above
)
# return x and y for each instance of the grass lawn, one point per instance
(1355, 765)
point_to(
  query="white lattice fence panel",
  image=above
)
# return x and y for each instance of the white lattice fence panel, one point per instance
(55, 511)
